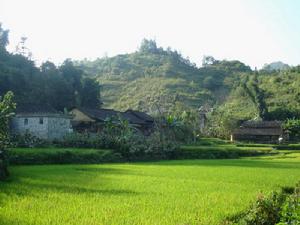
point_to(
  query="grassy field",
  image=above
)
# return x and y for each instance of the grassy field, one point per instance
(167, 192)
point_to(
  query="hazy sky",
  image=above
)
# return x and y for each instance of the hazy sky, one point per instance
(253, 31)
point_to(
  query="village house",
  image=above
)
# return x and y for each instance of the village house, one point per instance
(91, 120)
(259, 132)
(40, 121)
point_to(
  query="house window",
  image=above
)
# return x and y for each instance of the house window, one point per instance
(41, 121)
(25, 121)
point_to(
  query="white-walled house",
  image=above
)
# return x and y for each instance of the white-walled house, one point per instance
(41, 121)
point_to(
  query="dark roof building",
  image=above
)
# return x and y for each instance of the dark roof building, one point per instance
(92, 119)
(258, 131)
(41, 121)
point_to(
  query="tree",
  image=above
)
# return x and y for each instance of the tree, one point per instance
(49, 68)
(7, 106)
(208, 60)
(3, 37)
(22, 49)
(71, 74)
(148, 46)
(256, 95)
(90, 93)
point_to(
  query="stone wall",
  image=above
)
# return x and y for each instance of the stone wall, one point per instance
(52, 127)
(34, 127)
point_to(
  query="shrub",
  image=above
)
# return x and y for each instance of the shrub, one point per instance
(119, 135)
(28, 141)
(293, 128)
(76, 140)
(290, 211)
(278, 208)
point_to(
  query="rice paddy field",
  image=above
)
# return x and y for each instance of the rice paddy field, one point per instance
(185, 192)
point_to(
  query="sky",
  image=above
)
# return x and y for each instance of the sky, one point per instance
(252, 31)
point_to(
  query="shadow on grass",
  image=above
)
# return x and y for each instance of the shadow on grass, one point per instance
(29, 184)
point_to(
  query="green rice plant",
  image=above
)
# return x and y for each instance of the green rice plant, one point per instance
(193, 192)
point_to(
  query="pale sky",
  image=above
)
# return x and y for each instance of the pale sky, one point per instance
(252, 31)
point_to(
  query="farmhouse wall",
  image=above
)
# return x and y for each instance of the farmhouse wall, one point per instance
(50, 128)
(32, 126)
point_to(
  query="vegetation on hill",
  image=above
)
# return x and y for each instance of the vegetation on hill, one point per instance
(153, 78)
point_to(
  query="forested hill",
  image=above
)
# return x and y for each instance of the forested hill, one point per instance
(153, 77)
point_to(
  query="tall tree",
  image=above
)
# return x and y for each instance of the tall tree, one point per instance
(90, 93)
(256, 95)
(7, 106)
(3, 37)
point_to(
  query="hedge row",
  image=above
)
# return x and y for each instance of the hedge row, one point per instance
(61, 156)
(196, 152)
(19, 156)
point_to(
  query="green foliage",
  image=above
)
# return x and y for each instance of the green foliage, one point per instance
(3, 38)
(278, 208)
(219, 152)
(257, 96)
(7, 107)
(119, 135)
(27, 140)
(61, 87)
(155, 76)
(293, 128)
(290, 210)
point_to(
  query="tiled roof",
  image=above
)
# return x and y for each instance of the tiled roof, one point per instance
(258, 131)
(141, 115)
(259, 128)
(134, 117)
(261, 124)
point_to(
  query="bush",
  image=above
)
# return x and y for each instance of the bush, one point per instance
(293, 128)
(278, 208)
(79, 140)
(28, 141)
(119, 135)
(290, 211)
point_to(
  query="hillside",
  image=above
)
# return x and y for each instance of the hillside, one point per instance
(152, 78)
